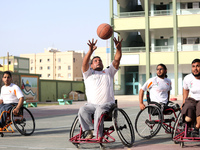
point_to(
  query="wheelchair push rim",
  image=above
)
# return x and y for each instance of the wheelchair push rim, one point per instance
(24, 121)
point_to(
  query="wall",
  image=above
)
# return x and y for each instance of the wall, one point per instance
(51, 90)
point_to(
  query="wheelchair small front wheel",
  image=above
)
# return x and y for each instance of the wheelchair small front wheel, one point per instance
(148, 122)
(24, 121)
(123, 127)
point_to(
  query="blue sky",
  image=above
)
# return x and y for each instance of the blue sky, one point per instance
(29, 26)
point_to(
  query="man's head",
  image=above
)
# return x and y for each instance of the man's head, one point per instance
(196, 68)
(7, 78)
(96, 63)
(161, 71)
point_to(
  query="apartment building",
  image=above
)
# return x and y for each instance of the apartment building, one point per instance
(56, 65)
(14, 64)
(154, 32)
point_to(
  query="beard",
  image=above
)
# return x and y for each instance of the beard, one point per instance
(196, 75)
(161, 76)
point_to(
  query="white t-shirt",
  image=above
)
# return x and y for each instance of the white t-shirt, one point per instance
(193, 85)
(11, 94)
(158, 89)
(99, 85)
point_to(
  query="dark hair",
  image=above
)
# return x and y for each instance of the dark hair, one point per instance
(195, 60)
(94, 58)
(164, 67)
(7, 72)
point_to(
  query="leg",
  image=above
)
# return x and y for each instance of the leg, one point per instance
(99, 111)
(84, 115)
(198, 115)
(4, 107)
(188, 110)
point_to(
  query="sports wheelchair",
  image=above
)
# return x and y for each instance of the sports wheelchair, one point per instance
(183, 132)
(121, 124)
(24, 122)
(150, 120)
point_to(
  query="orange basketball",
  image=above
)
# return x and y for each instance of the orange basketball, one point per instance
(104, 31)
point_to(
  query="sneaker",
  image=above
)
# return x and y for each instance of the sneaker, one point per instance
(89, 134)
(195, 133)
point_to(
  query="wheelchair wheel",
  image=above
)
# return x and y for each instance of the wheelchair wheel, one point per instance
(179, 129)
(123, 127)
(148, 122)
(170, 121)
(75, 128)
(24, 121)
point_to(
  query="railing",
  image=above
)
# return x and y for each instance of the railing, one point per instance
(189, 11)
(161, 12)
(157, 13)
(186, 47)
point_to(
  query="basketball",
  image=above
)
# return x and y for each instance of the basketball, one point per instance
(104, 31)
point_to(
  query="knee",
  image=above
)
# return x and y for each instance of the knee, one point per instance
(81, 111)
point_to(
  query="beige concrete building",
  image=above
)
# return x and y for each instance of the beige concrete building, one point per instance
(56, 65)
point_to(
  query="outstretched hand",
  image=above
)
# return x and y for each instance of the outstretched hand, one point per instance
(118, 43)
(92, 44)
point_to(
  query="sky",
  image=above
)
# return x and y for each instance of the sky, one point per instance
(29, 26)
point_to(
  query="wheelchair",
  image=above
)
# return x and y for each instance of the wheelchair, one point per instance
(183, 132)
(24, 122)
(121, 123)
(150, 120)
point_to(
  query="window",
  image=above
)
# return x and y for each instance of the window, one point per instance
(48, 60)
(189, 5)
(40, 75)
(41, 68)
(69, 67)
(74, 60)
(69, 75)
(31, 68)
(59, 67)
(59, 59)
(48, 68)
(40, 60)
(48, 75)
(31, 61)
(59, 75)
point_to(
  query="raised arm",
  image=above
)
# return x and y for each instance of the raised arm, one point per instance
(92, 47)
(118, 54)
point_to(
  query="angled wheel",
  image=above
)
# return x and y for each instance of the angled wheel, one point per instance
(169, 121)
(75, 130)
(123, 127)
(148, 122)
(179, 130)
(24, 121)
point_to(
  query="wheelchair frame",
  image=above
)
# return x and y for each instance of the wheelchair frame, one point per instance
(126, 124)
(182, 132)
(20, 121)
(154, 120)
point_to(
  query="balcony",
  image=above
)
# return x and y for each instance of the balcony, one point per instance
(157, 13)
(186, 47)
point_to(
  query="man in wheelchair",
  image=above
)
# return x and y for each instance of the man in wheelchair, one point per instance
(159, 88)
(191, 104)
(11, 95)
(99, 89)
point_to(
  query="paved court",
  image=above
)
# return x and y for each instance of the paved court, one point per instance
(53, 125)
